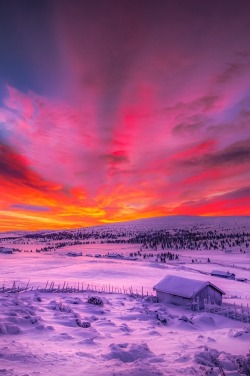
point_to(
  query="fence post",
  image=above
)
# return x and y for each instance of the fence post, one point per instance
(198, 303)
(27, 285)
(223, 312)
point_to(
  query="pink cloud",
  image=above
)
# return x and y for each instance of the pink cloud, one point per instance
(145, 113)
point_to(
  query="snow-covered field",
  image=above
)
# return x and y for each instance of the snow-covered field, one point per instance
(44, 333)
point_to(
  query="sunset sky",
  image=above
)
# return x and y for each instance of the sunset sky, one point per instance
(118, 110)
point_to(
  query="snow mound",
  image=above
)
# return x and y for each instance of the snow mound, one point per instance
(204, 320)
(207, 357)
(235, 365)
(227, 362)
(242, 333)
(127, 353)
(8, 328)
(125, 328)
(141, 370)
(83, 354)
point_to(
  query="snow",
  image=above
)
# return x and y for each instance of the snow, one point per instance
(58, 333)
(40, 334)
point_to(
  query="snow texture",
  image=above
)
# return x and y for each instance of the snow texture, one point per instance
(61, 333)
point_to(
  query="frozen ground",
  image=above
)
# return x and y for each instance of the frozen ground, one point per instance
(44, 334)
(61, 333)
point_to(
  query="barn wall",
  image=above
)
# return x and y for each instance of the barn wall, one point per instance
(216, 296)
(209, 292)
(173, 299)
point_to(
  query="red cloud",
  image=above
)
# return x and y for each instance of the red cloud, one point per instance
(139, 110)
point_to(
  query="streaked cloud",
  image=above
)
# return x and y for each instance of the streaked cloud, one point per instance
(27, 207)
(128, 111)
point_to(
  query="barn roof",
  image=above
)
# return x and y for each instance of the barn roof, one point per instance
(221, 272)
(183, 287)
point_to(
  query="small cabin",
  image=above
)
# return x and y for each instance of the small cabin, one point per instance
(74, 254)
(222, 274)
(114, 255)
(6, 251)
(184, 291)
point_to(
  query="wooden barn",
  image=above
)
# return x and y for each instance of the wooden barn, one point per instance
(222, 274)
(185, 291)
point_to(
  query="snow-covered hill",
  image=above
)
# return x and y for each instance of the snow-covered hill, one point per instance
(45, 333)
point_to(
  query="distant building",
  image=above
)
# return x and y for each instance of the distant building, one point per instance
(114, 255)
(185, 291)
(222, 274)
(241, 279)
(6, 251)
(74, 254)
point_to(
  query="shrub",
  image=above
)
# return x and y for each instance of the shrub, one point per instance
(95, 300)
(243, 363)
(83, 324)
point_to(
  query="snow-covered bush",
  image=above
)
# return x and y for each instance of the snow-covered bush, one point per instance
(243, 364)
(185, 319)
(55, 306)
(83, 324)
(127, 353)
(9, 328)
(37, 299)
(95, 300)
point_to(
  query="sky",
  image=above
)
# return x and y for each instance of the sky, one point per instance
(118, 110)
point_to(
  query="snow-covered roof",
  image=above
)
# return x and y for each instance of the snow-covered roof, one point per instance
(183, 287)
(221, 272)
(6, 250)
(73, 253)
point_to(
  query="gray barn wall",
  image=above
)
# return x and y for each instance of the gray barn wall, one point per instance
(173, 299)
(208, 291)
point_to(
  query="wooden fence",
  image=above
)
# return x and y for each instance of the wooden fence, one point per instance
(75, 287)
(232, 311)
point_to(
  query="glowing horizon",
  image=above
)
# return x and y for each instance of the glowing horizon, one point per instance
(124, 110)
